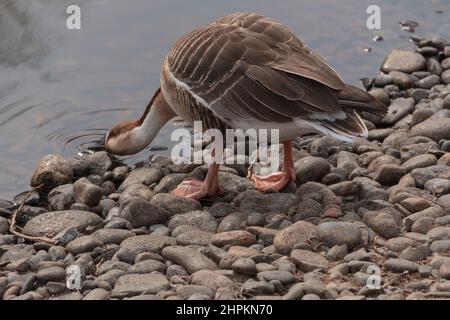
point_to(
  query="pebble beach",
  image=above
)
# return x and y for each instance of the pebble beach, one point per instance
(368, 219)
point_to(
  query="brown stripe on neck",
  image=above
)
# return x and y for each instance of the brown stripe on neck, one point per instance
(149, 106)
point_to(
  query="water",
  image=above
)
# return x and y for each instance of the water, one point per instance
(60, 88)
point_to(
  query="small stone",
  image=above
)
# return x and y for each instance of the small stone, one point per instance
(445, 76)
(132, 246)
(174, 204)
(382, 223)
(233, 238)
(311, 169)
(440, 246)
(438, 186)
(403, 60)
(86, 192)
(145, 176)
(202, 220)
(56, 274)
(147, 266)
(444, 270)
(190, 259)
(52, 171)
(142, 213)
(308, 261)
(192, 291)
(389, 174)
(99, 163)
(400, 265)
(337, 233)
(434, 128)
(51, 223)
(136, 191)
(83, 244)
(112, 236)
(428, 82)
(300, 232)
(245, 266)
(97, 294)
(422, 225)
(398, 109)
(210, 279)
(254, 288)
(61, 197)
(337, 252)
(133, 284)
(420, 161)
(283, 276)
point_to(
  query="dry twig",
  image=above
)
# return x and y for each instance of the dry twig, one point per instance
(12, 228)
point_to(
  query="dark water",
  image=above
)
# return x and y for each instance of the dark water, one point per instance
(61, 88)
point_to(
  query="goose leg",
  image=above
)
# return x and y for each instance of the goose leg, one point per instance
(195, 189)
(277, 180)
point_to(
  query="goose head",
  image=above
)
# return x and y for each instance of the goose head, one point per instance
(132, 136)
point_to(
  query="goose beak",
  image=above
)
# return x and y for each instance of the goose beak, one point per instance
(98, 145)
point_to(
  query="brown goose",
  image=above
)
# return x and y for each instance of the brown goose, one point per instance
(245, 71)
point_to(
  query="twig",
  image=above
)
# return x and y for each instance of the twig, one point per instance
(12, 228)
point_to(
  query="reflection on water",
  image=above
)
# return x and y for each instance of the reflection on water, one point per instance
(58, 87)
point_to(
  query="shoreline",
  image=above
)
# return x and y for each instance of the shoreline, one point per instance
(369, 219)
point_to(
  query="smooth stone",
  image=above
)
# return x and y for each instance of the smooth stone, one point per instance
(283, 276)
(420, 161)
(133, 284)
(311, 169)
(55, 274)
(190, 259)
(211, 279)
(132, 246)
(136, 191)
(51, 223)
(99, 163)
(400, 265)
(233, 238)
(300, 232)
(403, 60)
(142, 213)
(434, 128)
(174, 204)
(147, 266)
(61, 197)
(83, 244)
(97, 294)
(86, 192)
(112, 236)
(244, 266)
(337, 233)
(382, 223)
(202, 220)
(308, 261)
(145, 176)
(52, 171)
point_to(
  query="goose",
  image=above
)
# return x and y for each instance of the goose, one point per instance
(242, 71)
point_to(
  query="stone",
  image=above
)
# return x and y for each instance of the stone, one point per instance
(99, 163)
(194, 237)
(284, 277)
(210, 279)
(389, 174)
(252, 288)
(382, 223)
(169, 182)
(434, 128)
(174, 204)
(52, 171)
(311, 169)
(404, 61)
(132, 246)
(56, 274)
(300, 232)
(400, 265)
(86, 192)
(233, 238)
(202, 220)
(438, 186)
(308, 261)
(133, 284)
(429, 81)
(420, 161)
(61, 197)
(398, 109)
(244, 266)
(97, 294)
(190, 259)
(112, 236)
(51, 223)
(440, 246)
(142, 213)
(136, 191)
(188, 291)
(145, 176)
(83, 244)
(264, 203)
(444, 270)
(422, 225)
(147, 266)
(338, 233)
(445, 76)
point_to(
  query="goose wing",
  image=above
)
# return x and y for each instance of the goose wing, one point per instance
(249, 67)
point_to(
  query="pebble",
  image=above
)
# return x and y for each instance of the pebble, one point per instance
(86, 192)
(298, 233)
(403, 60)
(190, 259)
(202, 220)
(308, 261)
(52, 171)
(133, 284)
(142, 213)
(400, 265)
(233, 238)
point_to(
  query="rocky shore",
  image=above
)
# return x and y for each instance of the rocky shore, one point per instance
(365, 220)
